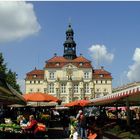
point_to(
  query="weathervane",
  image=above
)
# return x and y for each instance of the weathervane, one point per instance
(69, 20)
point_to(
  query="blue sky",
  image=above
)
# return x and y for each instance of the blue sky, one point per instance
(111, 28)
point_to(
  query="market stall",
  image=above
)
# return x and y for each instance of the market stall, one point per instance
(40, 99)
(8, 95)
(81, 103)
(127, 97)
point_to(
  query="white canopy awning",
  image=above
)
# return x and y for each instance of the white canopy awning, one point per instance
(132, 94)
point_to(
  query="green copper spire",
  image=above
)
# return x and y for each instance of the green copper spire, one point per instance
(69, 44)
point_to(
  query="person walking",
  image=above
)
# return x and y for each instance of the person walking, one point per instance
(83, 126)
(73, 128)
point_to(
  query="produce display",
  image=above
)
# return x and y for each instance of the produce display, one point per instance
(12, 126)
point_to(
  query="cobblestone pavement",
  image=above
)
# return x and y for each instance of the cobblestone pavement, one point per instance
(56, 133)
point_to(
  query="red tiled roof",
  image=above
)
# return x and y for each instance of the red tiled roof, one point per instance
(98, 72)
(81, 59)
(57, 59)
(59, 62)
(35, 74)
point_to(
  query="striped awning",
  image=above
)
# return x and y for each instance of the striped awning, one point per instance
(132, 94)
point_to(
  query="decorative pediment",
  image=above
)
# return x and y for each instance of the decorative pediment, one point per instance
(69, 66)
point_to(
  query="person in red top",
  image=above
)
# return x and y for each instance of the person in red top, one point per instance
(31, 125)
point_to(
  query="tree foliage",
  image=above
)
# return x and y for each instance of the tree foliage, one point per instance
(10, 77)
(3, 68)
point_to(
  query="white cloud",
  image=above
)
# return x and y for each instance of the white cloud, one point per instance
(134, 70)
(100, 54)
(17, 20)
(21, 84)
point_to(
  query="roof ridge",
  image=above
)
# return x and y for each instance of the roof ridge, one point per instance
(82, 57)
(35, 70)
(55, 57)
(103, 70)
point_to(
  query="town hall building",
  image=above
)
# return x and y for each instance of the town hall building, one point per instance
(69, 77)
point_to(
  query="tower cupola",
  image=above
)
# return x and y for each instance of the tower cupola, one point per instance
(69, 44)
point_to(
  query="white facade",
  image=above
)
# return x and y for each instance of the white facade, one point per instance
(70, 83)
(69, 77)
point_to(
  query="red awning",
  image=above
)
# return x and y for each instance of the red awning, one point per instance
(77, 103)
(132, 93)
(40, 97)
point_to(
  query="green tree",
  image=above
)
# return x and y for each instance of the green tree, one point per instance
(11, 80)
(10, 76)
(3, 68)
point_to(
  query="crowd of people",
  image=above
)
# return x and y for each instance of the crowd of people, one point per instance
(80, 126)
(76, 123)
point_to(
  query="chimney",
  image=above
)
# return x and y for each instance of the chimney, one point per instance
(102, 67)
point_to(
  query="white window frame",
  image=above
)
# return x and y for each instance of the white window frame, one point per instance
(86, 88)
(101, 75)
(51, 88)
(86, 75)
(63, 88)
(51, 75)
(34, 75)
(76, 88)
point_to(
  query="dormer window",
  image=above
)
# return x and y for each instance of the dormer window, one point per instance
(81, 64)
(57, 64)
(51, 75)
(86, 75)
(35, 76)
(101, 75)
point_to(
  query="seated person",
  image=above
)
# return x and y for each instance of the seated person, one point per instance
(22, 121)
(31, 125)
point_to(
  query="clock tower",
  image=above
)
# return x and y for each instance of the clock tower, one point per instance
(69, 44)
